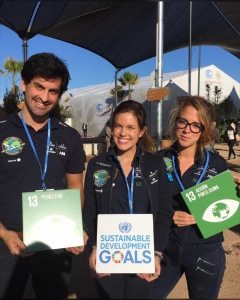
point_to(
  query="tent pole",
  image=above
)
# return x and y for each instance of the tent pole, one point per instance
(190, 50)
(159, 69)
(199, 68)
(116, 92)
(25, 49)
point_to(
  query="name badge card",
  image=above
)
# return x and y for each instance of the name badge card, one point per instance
(52, 219)
(125, 243)
(214, 204)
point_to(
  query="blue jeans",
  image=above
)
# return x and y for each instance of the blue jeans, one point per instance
(202, 264)
(50, 272)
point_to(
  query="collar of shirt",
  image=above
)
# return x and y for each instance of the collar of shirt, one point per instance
(199, 157)
(15, 119)
(113, 153)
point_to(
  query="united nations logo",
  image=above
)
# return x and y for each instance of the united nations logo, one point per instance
(209, 74)
(12, 145)
(99, 108)
(125, 227)
(100, 177)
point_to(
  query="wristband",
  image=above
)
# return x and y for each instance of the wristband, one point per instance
(159, 255)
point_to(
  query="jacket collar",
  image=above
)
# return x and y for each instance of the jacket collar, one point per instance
(113, 153)
(199, 157)
(16, 120)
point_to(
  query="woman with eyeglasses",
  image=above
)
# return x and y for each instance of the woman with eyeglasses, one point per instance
(188, 162)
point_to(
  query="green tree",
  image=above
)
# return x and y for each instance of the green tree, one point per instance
(12, 69)
(10, 101)
(120, 93)
(208, 91)
(217, 94)
(226, 109)
(61, 110)
(128, 79)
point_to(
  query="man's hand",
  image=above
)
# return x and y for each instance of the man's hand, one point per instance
(181, 219)
(78, 249)
(13, 242)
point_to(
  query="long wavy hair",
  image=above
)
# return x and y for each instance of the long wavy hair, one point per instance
(145, 142)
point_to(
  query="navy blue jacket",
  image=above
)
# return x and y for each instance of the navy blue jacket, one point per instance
(19, 168)
(217, 164)
(106, 193)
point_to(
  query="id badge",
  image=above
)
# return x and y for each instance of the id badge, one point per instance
(52, 219)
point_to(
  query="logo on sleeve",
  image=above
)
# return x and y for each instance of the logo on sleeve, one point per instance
(100, 177)
(12, 145)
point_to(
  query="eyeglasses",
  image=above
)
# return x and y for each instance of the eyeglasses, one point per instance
(194, 127)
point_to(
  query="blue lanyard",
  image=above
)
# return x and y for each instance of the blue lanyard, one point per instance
(43, 171)
(201, 175)
(130, 190)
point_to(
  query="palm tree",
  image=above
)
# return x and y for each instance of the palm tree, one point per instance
(14, 68)
(119, 91)
(128, 79)
(217, 94)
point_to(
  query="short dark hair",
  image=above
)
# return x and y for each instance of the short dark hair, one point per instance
(47, 66)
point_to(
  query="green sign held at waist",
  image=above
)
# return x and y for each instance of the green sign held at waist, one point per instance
(214, 204)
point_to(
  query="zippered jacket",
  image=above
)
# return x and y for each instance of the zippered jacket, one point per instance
(106, 193)
(189, 234)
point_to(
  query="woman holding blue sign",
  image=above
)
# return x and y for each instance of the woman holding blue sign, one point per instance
(125, 180)
(187, 163)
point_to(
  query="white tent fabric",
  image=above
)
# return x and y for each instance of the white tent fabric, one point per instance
(93, 104)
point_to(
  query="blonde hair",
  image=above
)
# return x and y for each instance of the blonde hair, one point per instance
(206, 115)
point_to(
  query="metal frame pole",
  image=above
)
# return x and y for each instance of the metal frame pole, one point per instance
(190, 50)
(159, 68)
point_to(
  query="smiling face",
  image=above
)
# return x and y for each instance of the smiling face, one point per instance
(126, 132)
(185, 137)
(41, 96)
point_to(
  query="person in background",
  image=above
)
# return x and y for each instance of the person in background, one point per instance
(109, 177)
(202, 260)
(215, 136)
(84, 129)
(231, 140)
(37, 151)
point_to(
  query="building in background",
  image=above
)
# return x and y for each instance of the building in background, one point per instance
(94, 104)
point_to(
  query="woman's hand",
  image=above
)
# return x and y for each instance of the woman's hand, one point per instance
(182, 218)
(92, 264)
(237, 179)
(150, 277)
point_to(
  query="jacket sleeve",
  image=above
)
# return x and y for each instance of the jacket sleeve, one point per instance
(164, 211)
(90, 205)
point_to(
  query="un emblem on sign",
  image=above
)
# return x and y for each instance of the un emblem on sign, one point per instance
(125, 227)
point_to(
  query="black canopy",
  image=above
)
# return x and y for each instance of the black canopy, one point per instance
(124, 32)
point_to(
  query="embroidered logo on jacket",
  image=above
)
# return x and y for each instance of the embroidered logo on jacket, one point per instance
(153, 177)
(100, 177)
(56, 148)
(12, 145)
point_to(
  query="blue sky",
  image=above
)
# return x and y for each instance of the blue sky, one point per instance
(87, 68)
